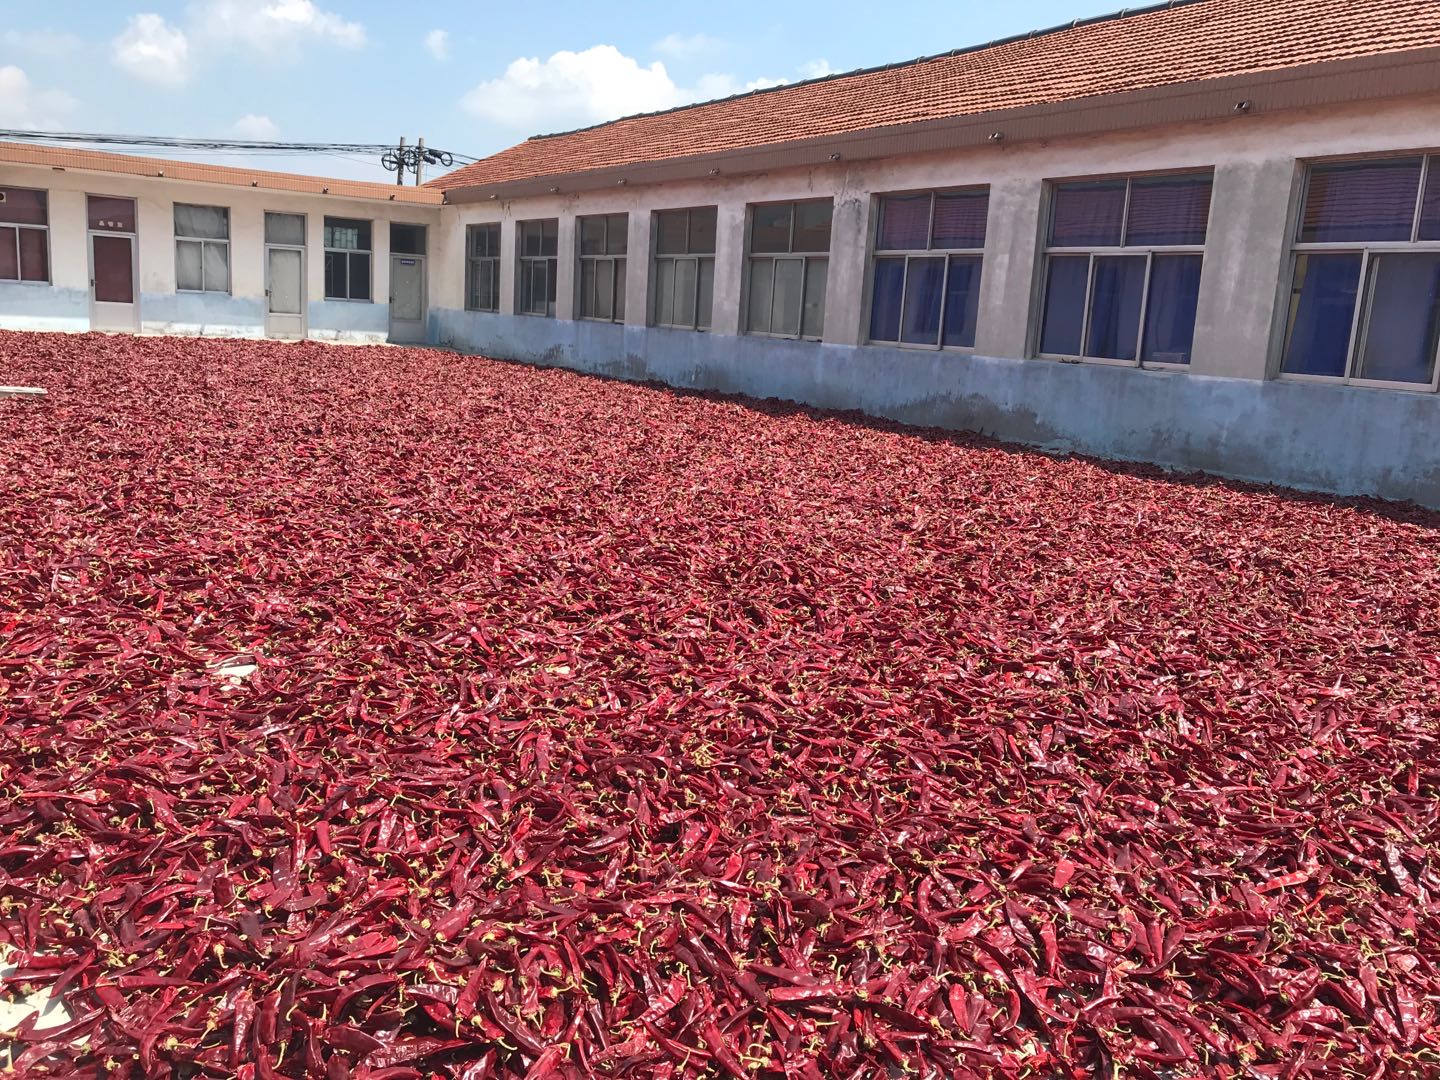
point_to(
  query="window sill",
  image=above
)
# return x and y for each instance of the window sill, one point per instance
(346, 300)
(483, 310)
(203, 292)
(25, 281)
(680, 326)
(781, 337)
(1361, 384)
(910, 346)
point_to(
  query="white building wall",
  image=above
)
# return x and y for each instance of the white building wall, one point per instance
(64, 303)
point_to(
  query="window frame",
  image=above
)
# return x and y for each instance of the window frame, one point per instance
(674, 259)
(909, 254)
(617, 272)
(774, 258)
(21, 279)
(1360, 318)
(473, 261)
(1098, 251)
(202, 241)
(348, 252)
(523, 264)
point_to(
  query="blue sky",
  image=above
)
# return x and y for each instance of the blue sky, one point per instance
(470, 77)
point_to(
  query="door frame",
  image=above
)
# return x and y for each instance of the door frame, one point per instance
(423, 321)
(134, 238)
(304, 313)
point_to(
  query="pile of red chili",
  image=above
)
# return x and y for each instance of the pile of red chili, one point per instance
(387, 713)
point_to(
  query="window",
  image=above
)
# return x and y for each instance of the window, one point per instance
(24, 235)
(538, 243)
(482, 267)
(926, 280)
(603, 239)
(347, 259)
(1122, 269)
(789, 267)
(1365, 293)
(202, 248)
(685, 268)
(285, 229)
(407, 239)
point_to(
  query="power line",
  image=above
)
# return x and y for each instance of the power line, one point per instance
(236, 146)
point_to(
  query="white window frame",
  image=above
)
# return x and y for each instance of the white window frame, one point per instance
(472, 262)
(1149, 251)
(696, 258)
(618, 268)
(775, 258)
(876, 254)
(1364, 296)
(523, 266)
(347, 252)
(202, 242)
(20, 279)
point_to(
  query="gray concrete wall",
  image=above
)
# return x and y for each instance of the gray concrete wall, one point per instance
(1303, 435)
(1227, 414)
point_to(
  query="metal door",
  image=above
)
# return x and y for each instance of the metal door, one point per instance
(284, 292)
(112, 283)
(407, 298)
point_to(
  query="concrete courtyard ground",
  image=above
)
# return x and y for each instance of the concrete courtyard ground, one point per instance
(389, 713)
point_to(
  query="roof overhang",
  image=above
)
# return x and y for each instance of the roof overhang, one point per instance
(1334, 82)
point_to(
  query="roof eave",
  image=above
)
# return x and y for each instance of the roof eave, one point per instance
(1331, 82)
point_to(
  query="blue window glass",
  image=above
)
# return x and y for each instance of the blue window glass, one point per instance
(924, 299)
(904, 223)
(1115, 307)
(1065, 282)
(1170, 309)
(962, 301)
(887, 299)
(1364, 201)
(960, 218)
(1088, 214)
(1168, 210)
(1404, 318)
(1430, 208)
(1322, 309)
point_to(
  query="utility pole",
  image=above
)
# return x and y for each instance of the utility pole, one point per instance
(400, 172)
(420, 161)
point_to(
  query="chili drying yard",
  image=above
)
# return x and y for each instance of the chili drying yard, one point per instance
(388, 713)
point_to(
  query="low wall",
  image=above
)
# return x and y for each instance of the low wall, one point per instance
(1343, 440)
(206, 314)
(43, 307)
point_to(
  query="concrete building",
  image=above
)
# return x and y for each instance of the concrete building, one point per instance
(1205, 235)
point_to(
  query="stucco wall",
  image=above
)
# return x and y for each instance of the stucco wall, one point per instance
(64, 304)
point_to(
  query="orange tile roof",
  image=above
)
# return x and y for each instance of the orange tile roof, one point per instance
(65, 157)
(1184, 42)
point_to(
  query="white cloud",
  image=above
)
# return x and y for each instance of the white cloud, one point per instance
(151, 49)
(22, 106)
(437, 43)
(679, 46)
(816, 69)
(571, 89)
(574, 89)
(253, 126)
(275, 27)
(42, 42)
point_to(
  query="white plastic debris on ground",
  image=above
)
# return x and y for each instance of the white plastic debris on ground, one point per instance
(16, 1008)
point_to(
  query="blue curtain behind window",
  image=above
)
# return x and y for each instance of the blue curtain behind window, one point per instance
(1319, 338)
